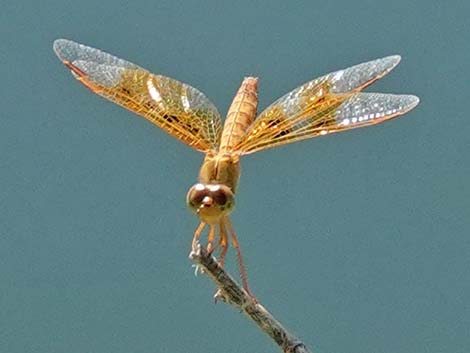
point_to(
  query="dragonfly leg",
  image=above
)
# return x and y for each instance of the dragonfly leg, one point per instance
(223, 243)
(197, 234)
(210, 238)
(236, 245)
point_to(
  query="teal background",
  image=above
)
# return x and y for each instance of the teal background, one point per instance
(357, 242)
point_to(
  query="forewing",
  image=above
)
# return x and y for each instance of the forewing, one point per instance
(179, 109)
(327, 104)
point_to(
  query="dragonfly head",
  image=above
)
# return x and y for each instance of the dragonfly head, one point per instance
(210, 202)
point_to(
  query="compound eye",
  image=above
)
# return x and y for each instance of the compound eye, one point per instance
(220, 197)
(196, 195)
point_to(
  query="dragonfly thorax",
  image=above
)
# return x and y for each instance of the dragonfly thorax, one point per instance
(220, 168)
(210, 202)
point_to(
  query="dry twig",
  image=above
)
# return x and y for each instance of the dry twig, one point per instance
(230, 292)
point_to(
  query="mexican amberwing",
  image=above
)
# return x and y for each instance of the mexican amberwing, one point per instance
(328, 104)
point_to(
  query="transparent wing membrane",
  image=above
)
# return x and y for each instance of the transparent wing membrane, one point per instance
(179, 109)
(371, 108)
(357, 77)
(325, 105)
(360, 109)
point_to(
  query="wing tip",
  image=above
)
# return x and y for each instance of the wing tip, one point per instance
(59, 41)
(411, 101)
(408, 102)
(61, 48)
(57, 45)
(395, 58)
(391, 62)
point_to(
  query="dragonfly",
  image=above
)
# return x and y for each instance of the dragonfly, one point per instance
(328, 104)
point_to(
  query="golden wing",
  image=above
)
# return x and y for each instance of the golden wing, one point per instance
(176, 107)
(325, 105)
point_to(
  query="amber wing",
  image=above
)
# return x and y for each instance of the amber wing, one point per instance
(326, 105)
(179, 109)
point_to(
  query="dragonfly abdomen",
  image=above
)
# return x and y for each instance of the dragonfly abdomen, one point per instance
(241, 114)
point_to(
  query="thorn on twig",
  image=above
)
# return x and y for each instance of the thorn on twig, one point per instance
(219, 295)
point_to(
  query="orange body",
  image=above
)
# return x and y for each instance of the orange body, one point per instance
(240, 115)
(223, 166)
